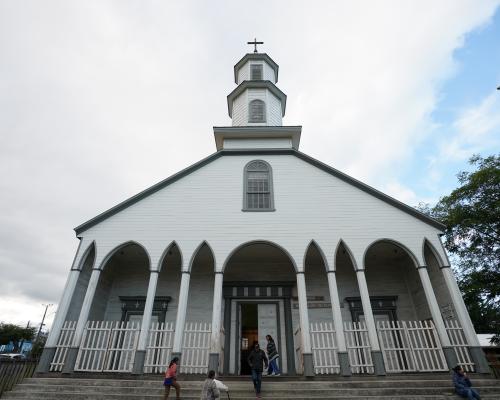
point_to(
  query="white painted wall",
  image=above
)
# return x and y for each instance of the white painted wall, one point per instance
(264, 143)
(240, 110)
(206, 205)
(273, 108)
(275, 114)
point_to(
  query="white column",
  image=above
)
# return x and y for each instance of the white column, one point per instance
(181, 312)
(50, 347)
(433, 306)
(62, 310)
(367, 309)
(304, 317)
(463, 316)
(216, 314)
(459, 305)
(148, 310)
(337, 316)
(87, 303)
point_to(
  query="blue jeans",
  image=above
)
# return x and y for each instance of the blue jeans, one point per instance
(257, 380)
(273, 367)
(469, 393)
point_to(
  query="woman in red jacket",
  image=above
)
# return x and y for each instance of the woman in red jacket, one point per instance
(171, 379)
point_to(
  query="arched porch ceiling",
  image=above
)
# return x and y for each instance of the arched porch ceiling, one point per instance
(388, 251)
(131, 252)
(259, 261)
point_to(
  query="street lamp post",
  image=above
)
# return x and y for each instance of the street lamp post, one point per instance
(43, 319)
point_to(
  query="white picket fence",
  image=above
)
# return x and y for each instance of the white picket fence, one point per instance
(410, 346)
(407, 346)
(159, 347)
(459, 344)
(358, 347)
(196, 347)
(63, 344)
(324, 348)
(108, 346)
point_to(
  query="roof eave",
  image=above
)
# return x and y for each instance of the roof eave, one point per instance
(255, 84)
(255, 56)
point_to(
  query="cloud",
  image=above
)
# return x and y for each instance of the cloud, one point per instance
(99, 100)
(476, 129)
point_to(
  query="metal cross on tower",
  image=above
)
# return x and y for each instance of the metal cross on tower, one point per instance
(255, 43)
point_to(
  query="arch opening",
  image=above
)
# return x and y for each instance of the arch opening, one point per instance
(347, 284)
(201, 286)
(443, 297)
(315, 271)
(260, 299)
(122, 288)
(396, 291)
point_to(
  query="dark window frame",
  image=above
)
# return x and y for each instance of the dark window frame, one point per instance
(247, 171)
(256, 69)
(254, 117)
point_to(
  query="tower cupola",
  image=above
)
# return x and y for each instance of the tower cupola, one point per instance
(256, 101)
(256, 107)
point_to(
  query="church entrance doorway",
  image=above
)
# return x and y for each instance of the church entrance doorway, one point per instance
(256, 321)
(250, 319)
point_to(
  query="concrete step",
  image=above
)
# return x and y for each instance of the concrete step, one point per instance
(66, 396)
(274, 382)
(355, 388)
(247, 389)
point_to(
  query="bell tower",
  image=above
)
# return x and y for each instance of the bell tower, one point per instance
(256, 107)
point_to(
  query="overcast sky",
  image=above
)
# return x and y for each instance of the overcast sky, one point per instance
(101, 99)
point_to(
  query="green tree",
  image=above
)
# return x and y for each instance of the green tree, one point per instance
(15, 333)
(471, 214)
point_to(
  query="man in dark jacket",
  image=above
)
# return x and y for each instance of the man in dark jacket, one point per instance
(462, 384)
(256, 359)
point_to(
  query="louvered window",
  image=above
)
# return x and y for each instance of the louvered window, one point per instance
(258, 187)
(256, 72)
(257, 111)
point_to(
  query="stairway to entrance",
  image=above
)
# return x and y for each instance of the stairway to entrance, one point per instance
(402, 387)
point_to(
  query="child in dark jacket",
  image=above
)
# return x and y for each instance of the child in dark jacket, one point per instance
(463, 386)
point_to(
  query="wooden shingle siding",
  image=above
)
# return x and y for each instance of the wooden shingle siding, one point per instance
(206, 205)
(274, 110)
(244, 72)
(240, 110)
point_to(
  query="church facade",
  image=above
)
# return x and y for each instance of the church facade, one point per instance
(260, 239)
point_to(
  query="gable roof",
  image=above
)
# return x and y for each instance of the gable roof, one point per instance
(324, 167)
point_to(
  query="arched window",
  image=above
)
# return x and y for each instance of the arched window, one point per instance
(258, 195)
(257, 111)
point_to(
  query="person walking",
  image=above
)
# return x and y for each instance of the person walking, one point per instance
(210, 391)
(272, 355)
(171, 379)
(463, 385)
(256, 359)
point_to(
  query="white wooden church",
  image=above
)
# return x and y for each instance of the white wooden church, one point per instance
(260, 239)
